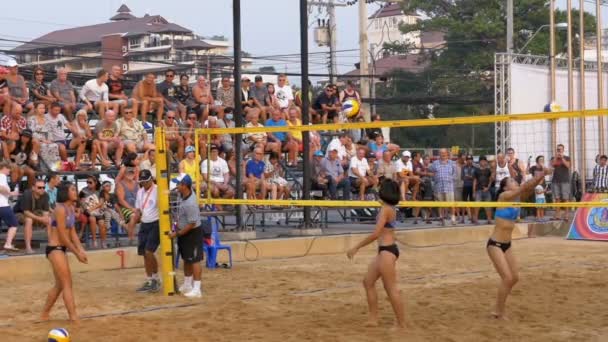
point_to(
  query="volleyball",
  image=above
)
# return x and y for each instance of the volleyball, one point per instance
(59, 335)
(350, 108)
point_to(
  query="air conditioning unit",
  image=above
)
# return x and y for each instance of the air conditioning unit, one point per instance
(125, 67)
(125, 49)
(322, 36)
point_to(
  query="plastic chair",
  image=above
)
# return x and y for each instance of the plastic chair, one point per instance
(216, 245)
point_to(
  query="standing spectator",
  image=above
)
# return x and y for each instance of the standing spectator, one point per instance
(467, 184)
(149, 162)
(82, 140)
(281, 138)
(52, 182)
(36, 209)
(538, 168)
(6, 212)
(539, 196)
(501, 171)
(360, 174)
(284, 93)
(183, 93)
(126, 193)
(600, 175)
(327, 104)
(227, 143)
(132, 133)
(332, 167)
(203, 100)
(225, 93)
(254, 172)
(482, 184)
(117, 94)
(95, 94)
(63, 91)
(247, 99)
(216, 173)
(167, 89)
(518, 166)
(560, 185)
(148, 237)
(145, 92)
(93, 210)
(444, 172)
(273, 101)
(189, 235)
(260, 96)
(175, 142)
(421, 169)
(39, 92)
(17, 88)
(109, 141)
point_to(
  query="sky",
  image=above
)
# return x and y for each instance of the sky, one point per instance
(269, 27)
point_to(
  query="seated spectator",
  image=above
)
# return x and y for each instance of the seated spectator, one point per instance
(360, 174)
(5, 103)
(168, 90)
(284, 93)
(52, 182)
(386, 168)
(281, 138)
(482, 183)
(216, 174)
(260, 96)
(320, 179)
(189, 126)
(183, 93)
(338, 143)
(312, 114)
(23, 158)
(94, 94)
(34, 204)
(188, 165)
(247, 99)
(406, 176)
(12, 124)
(205, 140)
(108, 139)
(279, 187)
(327, 104)
(255, 176)
(110, 206)
(259, 139)
(132, 133)
(332, 167)
(48, 150)
(273, 101)
(378, 146)
(117, 94)
(149, 162)
(82, 141)
(39, 91)
(225, 93)
(145, 92)
(174, 140)
(203, 100)
(226, 140)
(93, 211)
(293, 121)
(349, 93)
(126, 193)
(63, 92)
(57, 124)
(17, 88)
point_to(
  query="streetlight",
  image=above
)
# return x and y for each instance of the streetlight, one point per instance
(561, 26)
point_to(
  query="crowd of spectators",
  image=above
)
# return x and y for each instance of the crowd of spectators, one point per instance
(50, 127)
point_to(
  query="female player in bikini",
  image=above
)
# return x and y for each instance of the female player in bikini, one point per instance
(384, 264)
(62, 236)
(499, 244)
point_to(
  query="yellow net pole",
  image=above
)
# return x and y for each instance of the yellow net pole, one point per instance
(162, 183)
(197, 180)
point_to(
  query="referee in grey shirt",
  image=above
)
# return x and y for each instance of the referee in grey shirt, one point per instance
(189, 239)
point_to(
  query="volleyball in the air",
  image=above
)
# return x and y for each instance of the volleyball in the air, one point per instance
(350, 108)
(59, 335)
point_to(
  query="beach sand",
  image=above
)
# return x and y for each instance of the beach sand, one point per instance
(449, 293)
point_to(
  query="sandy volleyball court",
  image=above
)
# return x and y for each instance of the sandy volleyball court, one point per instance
(449, 293)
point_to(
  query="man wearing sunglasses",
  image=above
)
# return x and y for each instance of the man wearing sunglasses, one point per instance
(117, 91)
(328, 105)
(34, 204)
(168, 89)
(174, 140)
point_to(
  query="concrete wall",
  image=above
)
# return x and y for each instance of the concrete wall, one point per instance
(37, 267)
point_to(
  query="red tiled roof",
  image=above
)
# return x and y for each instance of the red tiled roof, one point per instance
(93, 33)
(389, 10)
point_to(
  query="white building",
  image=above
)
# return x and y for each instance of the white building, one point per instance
(384, 27)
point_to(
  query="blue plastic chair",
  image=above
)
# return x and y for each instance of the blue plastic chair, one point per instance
(216, 245)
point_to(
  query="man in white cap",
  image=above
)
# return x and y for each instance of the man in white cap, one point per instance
(406, 176)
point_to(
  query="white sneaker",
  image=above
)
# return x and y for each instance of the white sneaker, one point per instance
(185, 288)
(194, 293)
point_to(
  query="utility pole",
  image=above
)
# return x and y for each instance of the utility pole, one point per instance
(333, 70)
(509, 27)
(363, 46)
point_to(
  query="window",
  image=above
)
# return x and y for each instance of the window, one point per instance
(134, 43)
